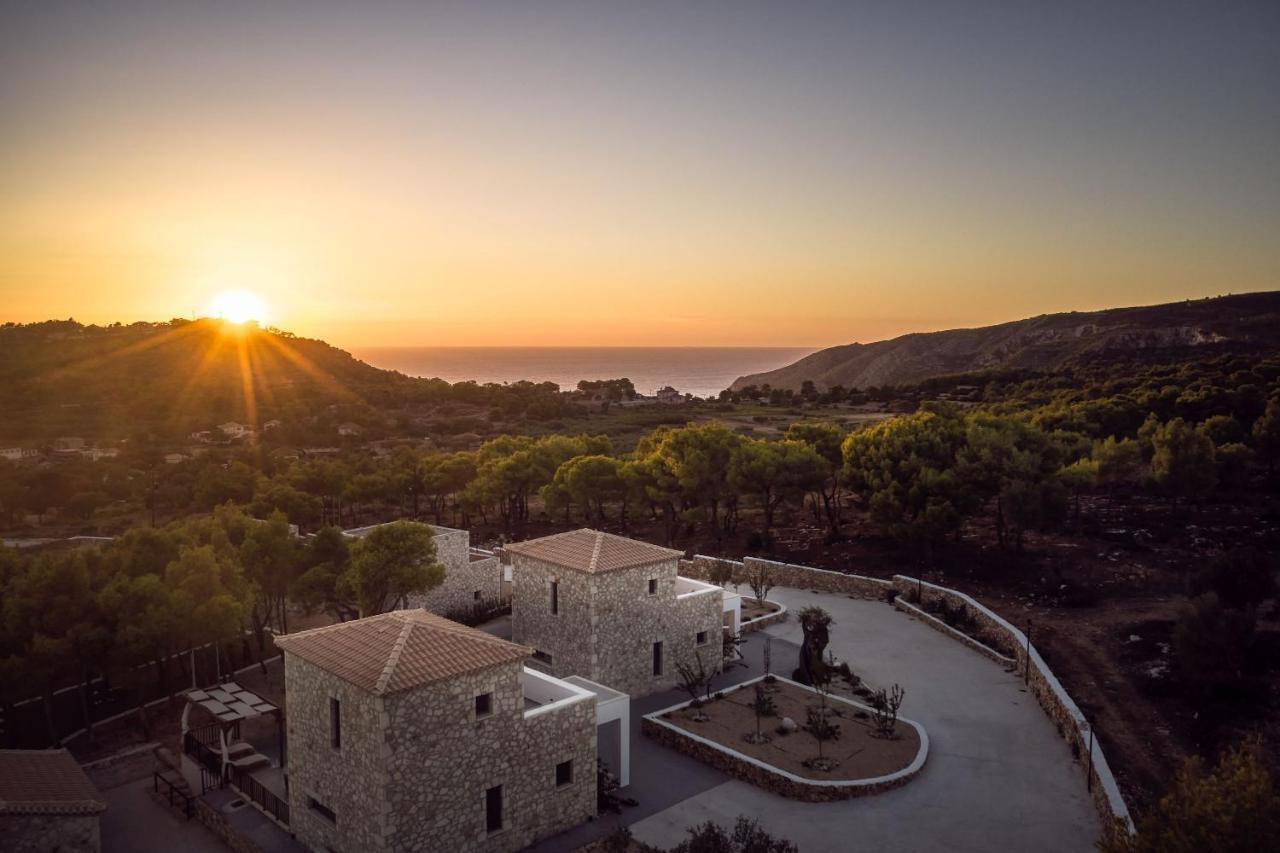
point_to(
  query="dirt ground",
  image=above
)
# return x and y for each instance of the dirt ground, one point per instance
(858, 753)
(752, 609)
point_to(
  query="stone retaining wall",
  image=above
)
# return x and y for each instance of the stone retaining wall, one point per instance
(991, 631)
(127, 766)
(780, 615)
(218, 824)
(774, 779)
(942, 627)
(1044, 685)
(792, 575)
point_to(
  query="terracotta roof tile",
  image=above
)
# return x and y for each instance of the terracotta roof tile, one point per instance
(45, 781)
(593, 551)
(401, 649)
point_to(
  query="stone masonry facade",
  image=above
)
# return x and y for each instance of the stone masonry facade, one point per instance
(42, 833)
(414, 766)
(608, 622)
(352, 780)
(468, 580)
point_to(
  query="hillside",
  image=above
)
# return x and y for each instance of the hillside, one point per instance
(64, 378)
(1249, 322)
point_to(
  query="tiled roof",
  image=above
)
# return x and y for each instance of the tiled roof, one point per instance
(592, 551)
(401, 649)
(45, 781)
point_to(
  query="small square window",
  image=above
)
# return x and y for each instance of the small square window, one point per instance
(484, 705)
(564, 773)
(653, 586)
(702, 638)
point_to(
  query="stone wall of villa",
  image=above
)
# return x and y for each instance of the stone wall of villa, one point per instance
(792, 575)
(608, 622)
(352, 780)
(413, 767)
(466, 583)
(443, 760)
(41, 833)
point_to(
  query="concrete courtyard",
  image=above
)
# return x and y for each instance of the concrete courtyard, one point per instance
(998, 775)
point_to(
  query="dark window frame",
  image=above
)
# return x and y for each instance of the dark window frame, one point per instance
(657, 658)
(564, 773)
(335, 723)
(555, 598)
(322, 810)
(493, 808)
(653, 586)
(484, 705)
(700, 638)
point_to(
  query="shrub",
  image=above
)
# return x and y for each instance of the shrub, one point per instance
(1210, 644)
(747, 837)
(885, 707)
(1241, 578)
(1233, 808)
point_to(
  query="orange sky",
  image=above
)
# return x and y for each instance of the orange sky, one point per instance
(467, 179)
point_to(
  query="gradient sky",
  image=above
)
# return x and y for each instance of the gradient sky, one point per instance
(662, 174)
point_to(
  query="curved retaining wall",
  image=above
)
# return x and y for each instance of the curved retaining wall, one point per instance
(942, 627)
(994, 630)
(779, 615)
(993, 635)
(775, 779)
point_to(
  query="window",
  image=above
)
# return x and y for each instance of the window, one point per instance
(555, 597)
(542, 657)
(653, 586)
(657, 658)
(335, 723)
(701, 638)
(322, 810)
(564, 773)
(484, 705)
(493, 809)
(475, 596)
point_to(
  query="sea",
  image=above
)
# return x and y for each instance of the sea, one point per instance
(701, 371)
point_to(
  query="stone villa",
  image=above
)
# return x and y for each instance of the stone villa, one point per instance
(471, 576)
(47, 803)
(615, 610)
(407, 731)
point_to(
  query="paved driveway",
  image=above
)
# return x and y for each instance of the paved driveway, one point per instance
(135, 823)
(998, 775)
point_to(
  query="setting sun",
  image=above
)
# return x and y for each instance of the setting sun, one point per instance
(239, 306)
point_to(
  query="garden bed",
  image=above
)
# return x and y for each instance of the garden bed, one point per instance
(752, 609)
(757, 615)
(863, 761)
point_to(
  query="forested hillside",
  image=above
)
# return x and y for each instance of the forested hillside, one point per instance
(168, 379)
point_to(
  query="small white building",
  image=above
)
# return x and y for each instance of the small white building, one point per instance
(231, 429)
(19, 454)
(349, 429)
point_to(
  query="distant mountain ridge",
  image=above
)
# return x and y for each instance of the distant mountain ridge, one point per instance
(1247, 321)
